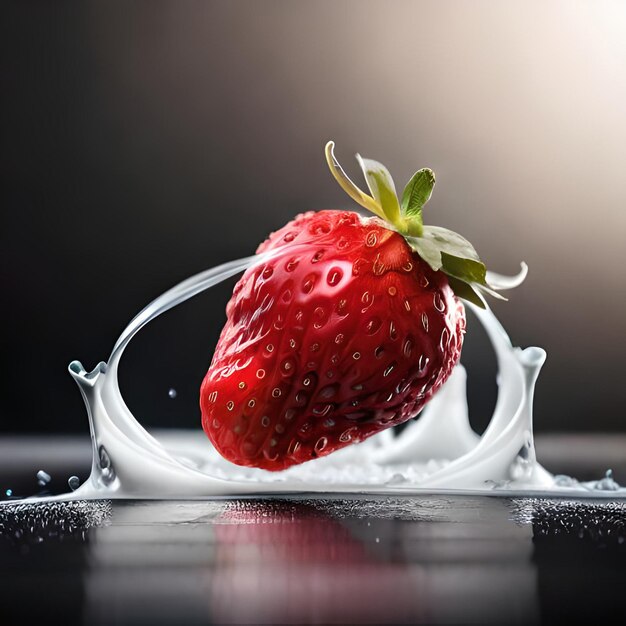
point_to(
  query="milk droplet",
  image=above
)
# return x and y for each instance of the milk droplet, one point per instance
(43, 478)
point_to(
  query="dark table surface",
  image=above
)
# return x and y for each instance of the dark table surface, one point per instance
(311, 559)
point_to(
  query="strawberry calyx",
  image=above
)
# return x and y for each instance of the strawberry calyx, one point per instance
(442, 249)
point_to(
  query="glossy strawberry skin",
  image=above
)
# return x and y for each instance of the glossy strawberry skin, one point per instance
(342, 334)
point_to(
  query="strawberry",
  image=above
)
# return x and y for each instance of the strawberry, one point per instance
(348, 326)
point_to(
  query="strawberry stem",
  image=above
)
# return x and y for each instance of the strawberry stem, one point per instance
(443, 249)
(383, 201)
(414, 228)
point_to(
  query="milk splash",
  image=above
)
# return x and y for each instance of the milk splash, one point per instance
(439, 453)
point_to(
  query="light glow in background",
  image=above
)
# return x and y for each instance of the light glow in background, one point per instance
(197, 128)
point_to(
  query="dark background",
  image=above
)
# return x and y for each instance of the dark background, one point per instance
(143, 142)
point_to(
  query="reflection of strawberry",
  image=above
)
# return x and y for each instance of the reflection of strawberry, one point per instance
(293, 563)
(347, 329)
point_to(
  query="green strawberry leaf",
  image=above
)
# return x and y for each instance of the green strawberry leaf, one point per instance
(381, 187)
(417, 193)
(467, 270)
(466, 291)
(447, 251)
(450, 242)
(360, 197)
(427, 250)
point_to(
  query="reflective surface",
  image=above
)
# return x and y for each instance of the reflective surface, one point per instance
(316, 560)
(313, 560)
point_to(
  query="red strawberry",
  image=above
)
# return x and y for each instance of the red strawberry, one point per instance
(349, 329)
